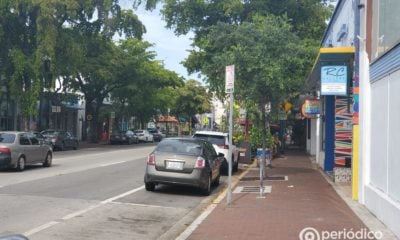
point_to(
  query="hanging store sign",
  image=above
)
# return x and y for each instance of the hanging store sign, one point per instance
(334, 80)
(311, 107)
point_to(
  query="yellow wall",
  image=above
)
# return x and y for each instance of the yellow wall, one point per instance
(354, 165)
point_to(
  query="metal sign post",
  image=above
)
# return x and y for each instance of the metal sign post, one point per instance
(229, 88)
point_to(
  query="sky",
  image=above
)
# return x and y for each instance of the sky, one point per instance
(170, 49)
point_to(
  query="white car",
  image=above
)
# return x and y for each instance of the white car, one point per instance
(144, 135)
(220, 141)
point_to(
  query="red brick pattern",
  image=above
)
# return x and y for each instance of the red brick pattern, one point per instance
(305, 200)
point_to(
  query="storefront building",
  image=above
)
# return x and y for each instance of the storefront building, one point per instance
(333, 83)
(359, 132)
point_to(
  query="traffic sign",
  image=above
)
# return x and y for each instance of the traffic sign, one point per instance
(205, 120)
(229, 78)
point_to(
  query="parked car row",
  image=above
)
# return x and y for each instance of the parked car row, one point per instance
(124, 137)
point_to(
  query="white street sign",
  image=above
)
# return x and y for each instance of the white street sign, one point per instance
(229, 78)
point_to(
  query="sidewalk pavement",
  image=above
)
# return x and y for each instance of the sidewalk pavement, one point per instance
(305, 206)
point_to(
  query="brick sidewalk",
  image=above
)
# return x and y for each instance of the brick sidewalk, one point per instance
(306, 199)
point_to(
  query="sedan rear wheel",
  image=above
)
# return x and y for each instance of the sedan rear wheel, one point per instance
(150, 186)
(49, 160)
(21, 164)
(207, 189)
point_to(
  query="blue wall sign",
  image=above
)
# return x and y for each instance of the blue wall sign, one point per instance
(334, 80)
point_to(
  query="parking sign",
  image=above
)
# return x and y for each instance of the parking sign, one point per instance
(229, 78)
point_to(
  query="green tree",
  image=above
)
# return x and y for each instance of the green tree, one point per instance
(192, 99)
(149, 86)
(40, 37)
(308, 17)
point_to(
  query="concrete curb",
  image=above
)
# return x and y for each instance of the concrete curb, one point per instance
(208, 210)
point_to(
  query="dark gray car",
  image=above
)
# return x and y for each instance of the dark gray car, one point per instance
(18, 149)
(61, 139)
(183, 161)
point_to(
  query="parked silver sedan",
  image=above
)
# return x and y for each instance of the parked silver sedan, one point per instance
(18, 149)
(183, 161)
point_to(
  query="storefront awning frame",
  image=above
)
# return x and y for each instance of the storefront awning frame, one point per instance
(327, 56)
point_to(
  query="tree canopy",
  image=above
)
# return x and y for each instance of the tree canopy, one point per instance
(54, 47)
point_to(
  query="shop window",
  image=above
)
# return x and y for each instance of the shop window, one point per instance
(385, 26)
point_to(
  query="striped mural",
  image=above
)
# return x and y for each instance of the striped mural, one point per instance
(343, 129)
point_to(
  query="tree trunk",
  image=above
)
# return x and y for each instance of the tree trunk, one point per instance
(94, 133)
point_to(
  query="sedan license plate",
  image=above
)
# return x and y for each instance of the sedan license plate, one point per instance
(174, 165)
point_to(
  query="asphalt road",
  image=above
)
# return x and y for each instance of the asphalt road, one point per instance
(95, 193)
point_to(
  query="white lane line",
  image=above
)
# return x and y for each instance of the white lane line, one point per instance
(123, 195)
(109, 164)
(80, 212)
(40, 228)
(72, 215)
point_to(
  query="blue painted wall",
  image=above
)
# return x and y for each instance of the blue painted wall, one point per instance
(329, 133)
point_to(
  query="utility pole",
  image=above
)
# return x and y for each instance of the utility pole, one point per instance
(318, 134)
(229, 88)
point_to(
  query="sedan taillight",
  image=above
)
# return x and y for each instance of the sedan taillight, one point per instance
(151, 159)
(200, 163)
(4, 150)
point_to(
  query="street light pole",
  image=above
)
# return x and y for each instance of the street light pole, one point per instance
(318, 134)
(229, 197)
(229, 88)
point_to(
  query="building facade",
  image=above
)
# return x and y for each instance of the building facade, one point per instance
(379, 171)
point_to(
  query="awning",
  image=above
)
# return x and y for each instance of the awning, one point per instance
(329, 56)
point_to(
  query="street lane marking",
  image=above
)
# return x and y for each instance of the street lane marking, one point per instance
(109, 164)
(72, 215)
(123, 195)
(40, 228)
(80, 212)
